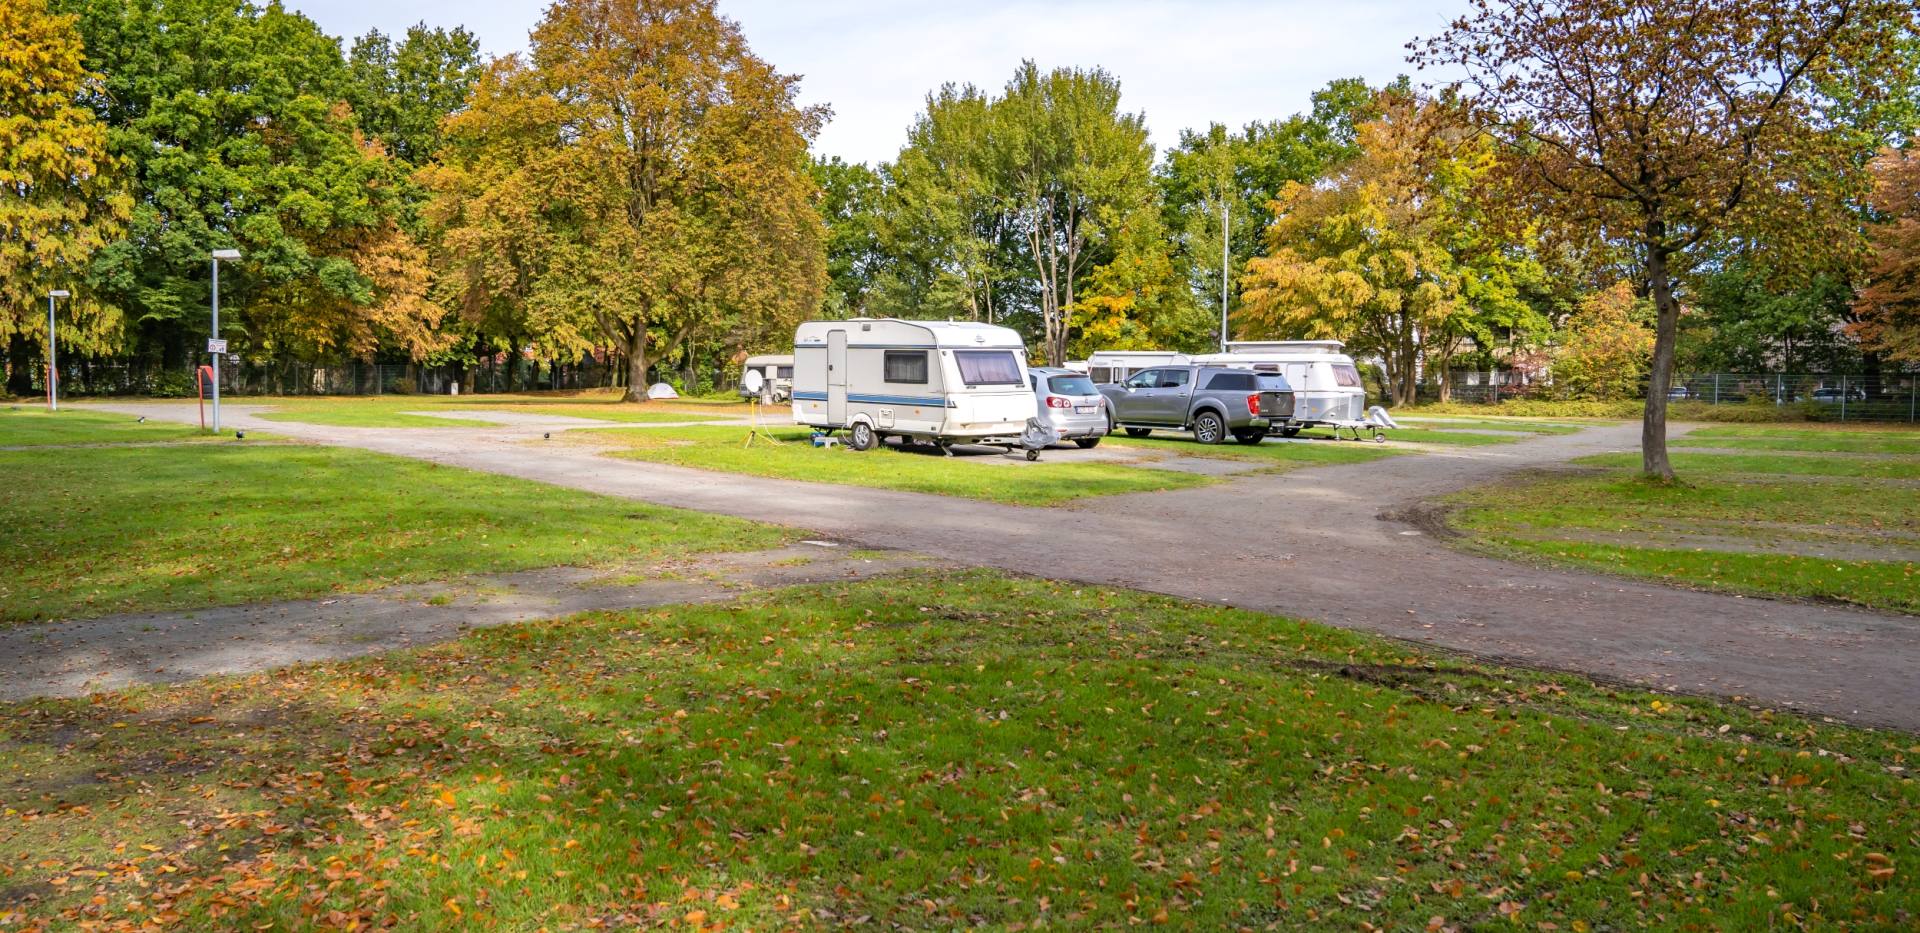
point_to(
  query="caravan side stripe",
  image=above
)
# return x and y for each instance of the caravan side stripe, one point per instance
(934, 401)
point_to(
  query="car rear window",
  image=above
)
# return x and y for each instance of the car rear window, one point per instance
(1273, 382)
(1229, 382)
(1071, 385)
(1344, 374)
(987, 367)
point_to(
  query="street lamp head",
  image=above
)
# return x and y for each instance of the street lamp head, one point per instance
(226, 254)
(58, 293)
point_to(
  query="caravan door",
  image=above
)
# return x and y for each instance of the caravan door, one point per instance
(837, 377)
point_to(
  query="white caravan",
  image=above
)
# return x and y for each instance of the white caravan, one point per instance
(941, 381)
(1326, 384)
(775, 371)
(1110, 366)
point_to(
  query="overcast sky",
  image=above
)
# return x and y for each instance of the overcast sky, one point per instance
(1184, 64)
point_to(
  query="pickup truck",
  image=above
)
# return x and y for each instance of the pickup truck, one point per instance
(1214, 402)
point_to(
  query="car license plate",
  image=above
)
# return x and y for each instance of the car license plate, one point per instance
(1085, 409)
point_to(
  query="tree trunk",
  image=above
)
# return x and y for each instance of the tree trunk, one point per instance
(636, 366)
(1653, 424)
(20, 365)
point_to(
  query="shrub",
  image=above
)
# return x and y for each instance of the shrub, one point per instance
(172, 383)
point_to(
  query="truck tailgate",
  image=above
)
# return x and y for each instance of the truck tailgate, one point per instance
(1277, 406)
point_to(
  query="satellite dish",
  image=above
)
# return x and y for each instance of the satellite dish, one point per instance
(753, 382)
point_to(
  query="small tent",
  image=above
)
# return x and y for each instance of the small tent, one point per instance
(662, 390)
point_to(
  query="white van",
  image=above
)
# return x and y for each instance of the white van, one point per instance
(941, 381)
(774, 370)
(1326, 384)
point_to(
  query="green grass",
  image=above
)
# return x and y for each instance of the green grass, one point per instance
(943, 751)
(1780, 463)
(35, 427)
(1055, 479)
(1281, 454)
(1739, 522)
(114, 529)
(1833, 439)
(399, 411)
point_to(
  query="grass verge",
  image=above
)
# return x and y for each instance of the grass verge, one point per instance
(965, 750)
(1808, 438)
(115, 529)
(28, 427)
(1749, 523)
(1055, 479)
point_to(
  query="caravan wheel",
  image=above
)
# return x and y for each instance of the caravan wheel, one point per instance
(861, 437)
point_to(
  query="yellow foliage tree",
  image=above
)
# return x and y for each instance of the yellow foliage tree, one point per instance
(59, 201)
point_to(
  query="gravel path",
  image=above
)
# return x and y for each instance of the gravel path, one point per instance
(1340, 544)
(76, 658)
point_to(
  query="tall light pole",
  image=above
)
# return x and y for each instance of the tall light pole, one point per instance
(53, 353)
(215, 345)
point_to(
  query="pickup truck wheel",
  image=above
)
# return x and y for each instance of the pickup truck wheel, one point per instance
(1209, 428)
(1139, 432)
(1250, 436)
(861, 437)
(1086, 443)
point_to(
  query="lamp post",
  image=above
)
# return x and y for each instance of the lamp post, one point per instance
(215, 346)
(53, 353)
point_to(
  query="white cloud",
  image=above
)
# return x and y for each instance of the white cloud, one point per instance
(1183, 64)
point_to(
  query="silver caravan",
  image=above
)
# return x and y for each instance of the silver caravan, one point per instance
(1326, 384)
(940, 381)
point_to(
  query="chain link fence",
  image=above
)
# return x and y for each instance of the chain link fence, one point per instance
(1891, 396)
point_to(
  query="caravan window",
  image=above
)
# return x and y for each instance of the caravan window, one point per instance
(906, 366)
(783, 372)
(1100, 374)
(988, 367)
(1344, 374)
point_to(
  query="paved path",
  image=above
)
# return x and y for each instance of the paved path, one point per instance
(1318, 543)
(77, 658)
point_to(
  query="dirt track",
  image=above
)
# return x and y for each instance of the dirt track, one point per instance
(1312, 544)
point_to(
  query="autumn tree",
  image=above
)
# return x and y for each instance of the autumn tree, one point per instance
(640, 172)
(1605, 347)
(59, 199)
(1240, 172)
(1665, 124)
(1389, 253)
(1888, 307)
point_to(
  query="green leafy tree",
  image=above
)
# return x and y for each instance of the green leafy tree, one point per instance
(850, 205)
(947, 239)
(59, 199)
(401, 92)
(642, 172)
(235, 127)
(1069, 167)
(1605, 347)
(1665, 126)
